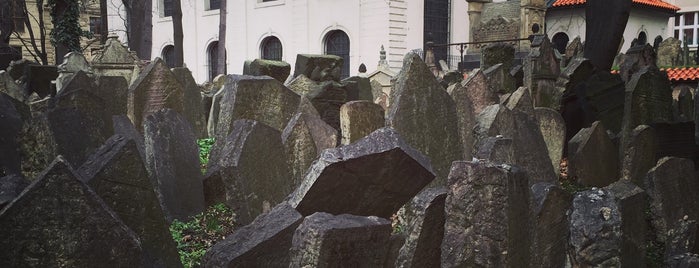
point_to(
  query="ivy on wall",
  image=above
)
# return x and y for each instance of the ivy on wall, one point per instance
(65, 16)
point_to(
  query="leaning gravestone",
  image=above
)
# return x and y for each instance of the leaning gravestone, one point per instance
(593, 159)
(278, 70)
(319, 67)
(487, 222)
(358, 88)
(302, 85)
(77, 119)
(155, 88)
(425, 115)
(601, 229)
(173, 163)
(263, 243)
(248, 170)
(640, 155)
(549, 222)
(358, 119)
(304, 138)
(258, 98)
(323, 240)
(669, 53)
(672, 187)
(425, 229)
(60, 220)
(192, 101)
(476, 90)
(373, 176)
(117, 174)
(553, 129)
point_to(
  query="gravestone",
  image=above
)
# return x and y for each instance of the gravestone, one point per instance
(684, 106)
(553, 129)
(672, 187)
(319, 67)
(682, 238)
(278, 70)
(425, 115)
(172, 160)
(359, 119)
(11, 122)
(9, 87)
(327, 97)
(60, 220)
(495, 149)
(573, 75)
(304, 138)
(500, 53)
(549, 221)
(607, 227)
(302, 85)
(592, 157)
(640, 155)
(117, 174)
(648, 99)
(425, 229)
(115, 91)
(72, 63)
(77, 119)
(192, 101)
(36, 141)
(487, 222)
(358, 88)
(258, 98)
(604, 99)
(214, 112)
(574, 49)
(520, 100)
(635, 59)
(323, 240)
(496, 76)
(124, 127)
(495, 120)
(263, 243)
(10, 187)
(115, 59)
(477, 90)
(374, 176)
(155, 88)
(669, 53)
(248, 170)
(541, 68)
(39, 79)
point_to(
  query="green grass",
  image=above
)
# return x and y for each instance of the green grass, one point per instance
(196, 236)
(204, 151)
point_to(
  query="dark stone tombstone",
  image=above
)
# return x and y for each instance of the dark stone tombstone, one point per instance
(248, 170)
(592, 157)
(425, 229)
(500, 53)
(635, 59)
(172, 160)
(541, 68)
(604, 29)
(191, 101)
(495, 149)
(37, 143)
(358, 88)
(487, 222)
(155, 88)
(425, 115)
(319, 67)
(278, 70)
(685, 106)
(60, 220)
(373, 176)
(117, 174)
(549, 237)
(323, 240)
(263, 243)
(640, 155)
(327, 97)
(115, 91)
(11, 122)
(359, 119)
(77, 119)
(124, 127)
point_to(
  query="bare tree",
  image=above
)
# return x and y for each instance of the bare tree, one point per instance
(104, 28)
(222, 38)
(178, 34)
(36, 44)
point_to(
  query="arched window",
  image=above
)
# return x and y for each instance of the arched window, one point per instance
(212, 59)
(560, 42)
(337, 43)
(271, 48)
(168, 55)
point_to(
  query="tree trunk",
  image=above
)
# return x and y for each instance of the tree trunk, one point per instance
(178, 34)
(104, 29)
(222, 38)
(139, 26)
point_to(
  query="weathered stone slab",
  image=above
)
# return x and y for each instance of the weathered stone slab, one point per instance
(115, 59)
(607, 228)
(278, 70)
(494, 120)
(669, 52)
(73, 62)
(359, 119)
(39, 79)
(374, 176)
(574, 74)
(521, 100)
(11, 122)
(487, 222)
(500, 53)
(214, 112)
(59, 220)
(301, 84)
(327, 97)
(248, 170)
(115, 91)
(304, 138)
(425, 115)
(672, 186)
(155, 88)
(117, 174)
(324, 240)
(124, 127)
(256, 98)
(603, 95)
(549, 222)
(640, 155)
(263, 243)
(684, 105)
(592, 157)
(541, 67)
(319, 67)
(648, 100)
(77, 119)
(9, 87)
(682, 238)
(172, 160)
(553, 130)
(635, 59)
(191, 96)
(37, 144)
(496, 149)
(574, 49)
(476, 89)
(10, 187)
(358, 88)
(425, 229)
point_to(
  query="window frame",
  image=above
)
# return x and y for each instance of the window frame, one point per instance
(266, 46)
(681, 26)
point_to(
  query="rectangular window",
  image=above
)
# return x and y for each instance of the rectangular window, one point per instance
(167, 8)
(96, 25)
(18, 16)
(214, 4)
(687, 28)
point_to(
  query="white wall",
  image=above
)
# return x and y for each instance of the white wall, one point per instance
(116, 19)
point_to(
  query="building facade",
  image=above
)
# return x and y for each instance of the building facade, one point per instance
(280, 29)
(685, 25)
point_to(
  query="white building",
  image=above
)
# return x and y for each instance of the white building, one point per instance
(685, 25)
(565, 20)
(280, 29)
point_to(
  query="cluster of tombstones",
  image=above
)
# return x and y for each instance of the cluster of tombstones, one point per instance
(97, 165)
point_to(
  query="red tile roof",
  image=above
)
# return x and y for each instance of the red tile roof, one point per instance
(678, 73)
(653, 3)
